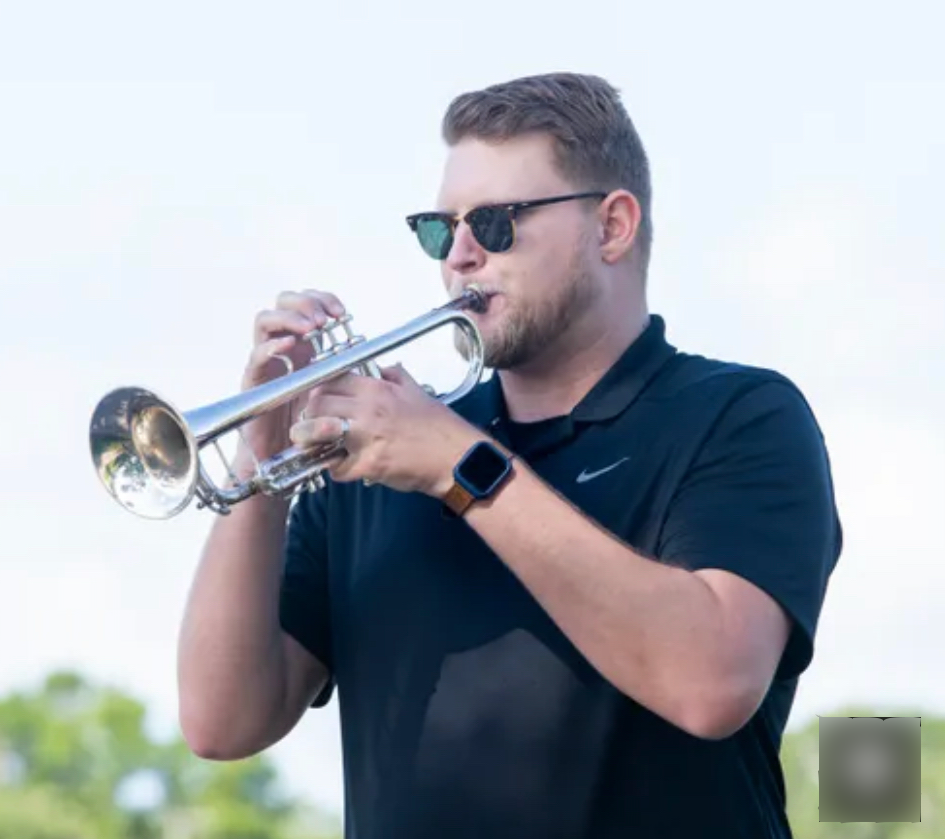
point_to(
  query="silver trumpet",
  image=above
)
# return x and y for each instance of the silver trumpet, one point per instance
(147, 453)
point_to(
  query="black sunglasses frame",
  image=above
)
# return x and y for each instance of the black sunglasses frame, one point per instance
(511, 211)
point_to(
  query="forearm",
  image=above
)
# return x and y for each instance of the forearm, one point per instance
(231, 654)
(655, 631)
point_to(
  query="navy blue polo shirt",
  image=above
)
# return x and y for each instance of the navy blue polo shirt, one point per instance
(466, 712)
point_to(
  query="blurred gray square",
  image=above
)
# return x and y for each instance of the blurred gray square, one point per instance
(870, 769)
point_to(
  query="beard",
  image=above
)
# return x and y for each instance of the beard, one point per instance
(527, 330)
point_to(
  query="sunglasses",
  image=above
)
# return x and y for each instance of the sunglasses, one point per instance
(492, 225)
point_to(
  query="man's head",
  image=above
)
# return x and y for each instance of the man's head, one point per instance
(559, 266)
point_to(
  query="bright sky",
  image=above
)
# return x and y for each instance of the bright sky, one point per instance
(166, 170)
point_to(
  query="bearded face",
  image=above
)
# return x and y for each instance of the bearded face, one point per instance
(545, 280)
(525, 322)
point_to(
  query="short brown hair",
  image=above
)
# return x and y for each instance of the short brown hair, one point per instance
(596, 144)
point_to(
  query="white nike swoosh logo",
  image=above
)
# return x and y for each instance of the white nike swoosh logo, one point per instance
(589, 476)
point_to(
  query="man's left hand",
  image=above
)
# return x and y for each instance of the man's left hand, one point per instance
(398, 434)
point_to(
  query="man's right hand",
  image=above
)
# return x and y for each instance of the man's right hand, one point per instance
(231, 641)
(279, 332)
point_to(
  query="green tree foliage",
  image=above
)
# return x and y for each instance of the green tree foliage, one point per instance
(77, 762)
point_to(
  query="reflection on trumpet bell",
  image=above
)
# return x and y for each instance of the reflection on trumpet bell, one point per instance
(143, 452)
(147, 453)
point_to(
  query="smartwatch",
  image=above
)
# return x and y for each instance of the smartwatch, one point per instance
(480, 473)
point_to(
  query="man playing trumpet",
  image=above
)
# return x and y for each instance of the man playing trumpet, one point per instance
(575, 603)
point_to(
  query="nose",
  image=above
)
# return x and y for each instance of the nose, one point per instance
(467, 254)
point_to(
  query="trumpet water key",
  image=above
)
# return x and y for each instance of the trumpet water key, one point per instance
(147, 453)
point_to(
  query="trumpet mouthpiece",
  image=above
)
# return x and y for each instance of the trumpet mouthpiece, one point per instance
(478, 299)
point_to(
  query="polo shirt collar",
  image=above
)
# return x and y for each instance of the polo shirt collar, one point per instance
(617, 389)
(628, 377)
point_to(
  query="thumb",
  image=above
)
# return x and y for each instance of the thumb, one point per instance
(398, 375)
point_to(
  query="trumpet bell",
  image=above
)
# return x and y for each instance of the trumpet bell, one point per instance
(144, 452)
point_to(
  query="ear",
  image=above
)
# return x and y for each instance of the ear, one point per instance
(620, 217)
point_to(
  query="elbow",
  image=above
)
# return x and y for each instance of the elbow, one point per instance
(707, 714)
(208, 750)
(719, 717)
(215, 750)
(208, 739)
(208, 745)
(714, 728)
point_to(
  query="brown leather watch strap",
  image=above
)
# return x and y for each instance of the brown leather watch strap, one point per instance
(458, 500)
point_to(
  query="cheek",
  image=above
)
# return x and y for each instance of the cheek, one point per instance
(544, 277)
(539, 270)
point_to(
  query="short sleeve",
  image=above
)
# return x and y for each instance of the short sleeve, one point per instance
(304, 608)
(758, 501)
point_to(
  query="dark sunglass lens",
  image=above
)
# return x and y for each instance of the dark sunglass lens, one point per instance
(435, 236)
(492, 227)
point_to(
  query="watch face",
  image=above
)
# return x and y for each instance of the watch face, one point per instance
(482, 469)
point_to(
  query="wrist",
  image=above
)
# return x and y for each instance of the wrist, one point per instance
(453, 454)
(477, 475)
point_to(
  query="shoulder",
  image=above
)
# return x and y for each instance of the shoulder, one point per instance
(693, 376)
(717, 389)
(716, 412)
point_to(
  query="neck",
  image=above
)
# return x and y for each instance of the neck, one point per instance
(552, 385)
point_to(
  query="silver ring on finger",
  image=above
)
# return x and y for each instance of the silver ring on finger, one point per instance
(289, 366)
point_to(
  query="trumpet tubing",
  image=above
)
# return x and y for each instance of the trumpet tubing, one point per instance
(147, 453)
